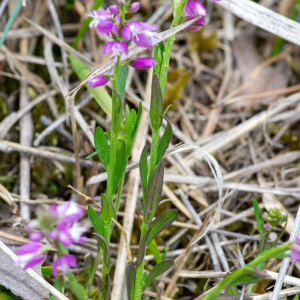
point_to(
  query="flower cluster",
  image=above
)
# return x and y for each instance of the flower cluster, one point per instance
(60, 224)
(112, 23)
(275, 217)
(295, 253)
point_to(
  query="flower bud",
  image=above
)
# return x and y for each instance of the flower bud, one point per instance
(98, 81)
(196, 26)
(142, 62)
(268, 227)
(113, 9)
(275, 216)
(195, 8)
(134, 7)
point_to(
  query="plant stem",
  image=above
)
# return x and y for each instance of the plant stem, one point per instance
(178, 7)
(238, 273)
(120, 190)
(114, 133)
(153, 155)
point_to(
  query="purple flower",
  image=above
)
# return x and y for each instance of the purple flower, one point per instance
(116, 48)
(195, 8)
(62, 264)
(268, 227)
(195, 26)
(100, 18)
(113, 9)
(31, 254)
(98, 81)
(295, 254)
(36, 236)
(134, 7)
(32, 225)
(142, 33)
(69, 211)
(142, 62)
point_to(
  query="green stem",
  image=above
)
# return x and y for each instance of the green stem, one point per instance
(238, 273)
(178, 10)
(114, 133)
(153, 155)
(280, 235)
(120, 190)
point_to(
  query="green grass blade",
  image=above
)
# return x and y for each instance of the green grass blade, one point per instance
(10, 21)
(99, 93)
(258, 217)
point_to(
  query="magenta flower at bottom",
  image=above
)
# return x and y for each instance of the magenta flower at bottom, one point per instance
(295, 254)
(31, 254)
(195, 26)
(142, 62)
(98, 81)
(63, 263)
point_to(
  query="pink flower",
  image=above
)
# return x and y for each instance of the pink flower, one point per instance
(113, 9)
(31, 254)
(195, 8)
(142, 33)
(142, 62)
(69, 211)
(62, 264)
(295, 254)
(98, 81)
(195, 26)
(36, 236)
(134, 7)
(116, 48)
(268, 227)
(101, 20)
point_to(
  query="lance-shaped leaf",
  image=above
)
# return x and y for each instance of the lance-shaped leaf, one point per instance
(159, 50)
(142, 249)
(122, 81)
(158, 270)
(154, 193)
(157, 104)
(130, 274)
(258, 217)
(59, 284)
(89, 263)
(95, 220)
(120, 166)
(161, 223)
(143, 165)
(107, 249)
(76, 288)
(118, 118)
(107, 210)
(102, 147)
(108, 287)
(136, 127)
(164, 142)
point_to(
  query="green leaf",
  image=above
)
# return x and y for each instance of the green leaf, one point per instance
(10, 21)
(107, 249)
(154, 250)
(118, 119)
(164, 142)
(158, 270)
(161, 223)
(86, 24)
(142, 249)
(246, 279)
(91, 155)
(120, 166)
(102, 147)
(258, 217)
(89, 263)
(8, 296)
(108, 210)
(157, 104)
(166, 110)
(100, 94)
(129, 122)
(95, 220)
(130, 274)
(46, 271)
(76, 288)
(122, 81)
(158, 56)
(296, 297)
(154, 193)
(136, 127)
(143, 165)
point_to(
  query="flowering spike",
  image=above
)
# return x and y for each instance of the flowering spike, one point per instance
(142, 62)
(98, 81)
(195, 8)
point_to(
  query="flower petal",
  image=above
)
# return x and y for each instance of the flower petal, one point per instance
(34, 262)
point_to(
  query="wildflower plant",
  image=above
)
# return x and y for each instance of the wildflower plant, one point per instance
(59, 226)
